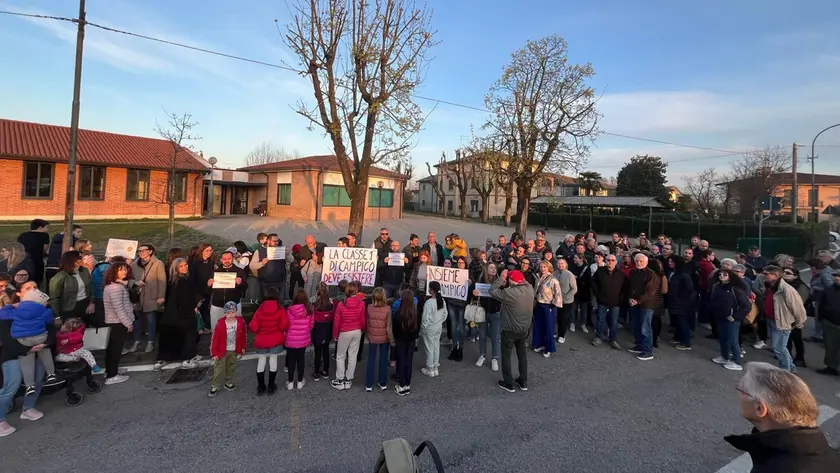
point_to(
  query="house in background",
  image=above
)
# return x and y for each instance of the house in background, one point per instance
(745, 193)
(117, 176)
(233, 193)
(312, 188)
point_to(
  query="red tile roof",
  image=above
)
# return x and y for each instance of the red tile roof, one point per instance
(327, 162)
(37, 141)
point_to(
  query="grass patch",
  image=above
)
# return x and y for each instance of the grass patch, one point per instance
(156, 233)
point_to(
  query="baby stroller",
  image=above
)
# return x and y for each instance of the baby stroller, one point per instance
(67, 374)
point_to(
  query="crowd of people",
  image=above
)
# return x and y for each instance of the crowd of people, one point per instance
(537, 296)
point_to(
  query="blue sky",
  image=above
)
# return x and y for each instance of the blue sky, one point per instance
(728, 75)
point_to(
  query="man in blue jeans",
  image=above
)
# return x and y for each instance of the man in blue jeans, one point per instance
(608, 284)
(641, 292)
(784, 311)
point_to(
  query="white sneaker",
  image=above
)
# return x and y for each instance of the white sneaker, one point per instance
(187, 364)
(707, 326)
(584, 329)
(743, 352)
(31, 414)
(125, 351)
(428, 372)
(134, 347)
(720, 360)
(538, 349)
(6, 429)
(759, 345)
(732, 366)
(571, 327)
(290, 386)
(195, 359)
(301, 384)
(494, 364)
(481, 360)
(561, 339)
(150, 347)
(159, 364)
(436, 373)
(546, 355)
(120, 378)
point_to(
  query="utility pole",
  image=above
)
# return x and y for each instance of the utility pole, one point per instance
(794, 189)
(70, 199)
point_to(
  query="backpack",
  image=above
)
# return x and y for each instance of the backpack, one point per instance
(397, 456)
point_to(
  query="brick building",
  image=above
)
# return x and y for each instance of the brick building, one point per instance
(117, 176)
(312, 188)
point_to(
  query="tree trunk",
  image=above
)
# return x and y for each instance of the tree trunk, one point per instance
(463, 205)
(523, 200)
(443, 205)
(508, 204)
(485, 208)
(358, 199)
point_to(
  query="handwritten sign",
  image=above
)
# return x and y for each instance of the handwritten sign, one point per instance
(125, 248)
(275, 252)
(483, 289)
(396, 259)
(352, 264)
(454, 282)
(224, 280)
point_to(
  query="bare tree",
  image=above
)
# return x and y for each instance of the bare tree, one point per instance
(266, 153)
(459, 172)
(178, 132)
(437, 185)
(703, 190)
(544, 114)
(756, 175)
(365, 59)
(483, 180)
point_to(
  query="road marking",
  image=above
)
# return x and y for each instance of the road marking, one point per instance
(743, 464)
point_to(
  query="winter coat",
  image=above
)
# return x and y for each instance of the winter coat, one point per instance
(548, 291)
(641, 286)
(681, 296)
(153, 274)
(431, 322)
(218, 344)
(378, 318)
(269, 325)
(75, 340)
(97, 279)
(517, 305)
(438, 251)
(706, 268)
(789, 309)
(220, 297)
(324, 316)
(828, 306)
(300, 327)
(118, 307)
(566, 252)
(274, 271)
(201, 271)
(583, 276)
(63, 290)
(793, 450)
(457, 248)
(608, 286)
(29, 318)
(11, 349)
(349, 316)
(568, 285)
(727, 300)
(180, 305)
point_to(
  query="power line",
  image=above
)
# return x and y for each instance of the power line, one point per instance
(40, 17)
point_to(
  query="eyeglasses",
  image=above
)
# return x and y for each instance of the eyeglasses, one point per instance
(383, 234)
(143, 250)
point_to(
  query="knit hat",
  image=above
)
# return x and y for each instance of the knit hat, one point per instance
(230, 307)
(35, 295)
(516, 276)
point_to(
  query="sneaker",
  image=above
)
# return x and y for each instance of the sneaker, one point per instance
(301, 384)
(674, 342)
(348, 383)
(596, 342)
(743, 352)
(368, 389)
(428, 372)
(382, 387)
(720, 360)
(125, 351)
(584, 329)
(732, 366)
(150, 347)
(213, 392)
(546, 355)
(538, 349)
(159, 364)
(707, 326)
(436, 373)
(635, 350)
(6, 429)
(316, 376)
(561, 339)
(494, 364)
(51, 379)
(30, 391)
(187, 365)
(96, 369)
(481, 360)
(134, 347)
(290, 386)
(195, 359)
(759, 345)
(571, 327)
(399, 390)
(614, 344)
(507, 387)
(523, 386)
(325, 374)
(120, 378)
(406, 390)
(230, 387)
(682, 347)
(645, 357)
(31, 414)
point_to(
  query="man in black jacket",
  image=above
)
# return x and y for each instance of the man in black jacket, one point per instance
(608, 286)
(828, 306)
(383, 247)
(270, 273)
(641, 293)
(219, 297)
(435, 250)
(785, 437)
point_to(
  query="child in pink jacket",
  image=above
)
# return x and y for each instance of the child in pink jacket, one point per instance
(70, 341)
(301, 320)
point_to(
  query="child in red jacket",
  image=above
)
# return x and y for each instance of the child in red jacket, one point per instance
(270, 324)
(226, 346)
(70, 340)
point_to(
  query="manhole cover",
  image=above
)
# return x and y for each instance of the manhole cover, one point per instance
(187, 375)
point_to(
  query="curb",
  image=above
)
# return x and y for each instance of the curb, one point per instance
(204, 363)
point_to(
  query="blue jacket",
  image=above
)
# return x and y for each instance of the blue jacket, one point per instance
(97, 279)
(28, 319)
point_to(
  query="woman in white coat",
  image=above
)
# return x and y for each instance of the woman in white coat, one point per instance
(431, 327)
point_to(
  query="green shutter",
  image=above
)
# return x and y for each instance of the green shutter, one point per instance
(330, 198)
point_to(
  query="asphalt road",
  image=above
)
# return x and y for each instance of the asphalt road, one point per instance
(588, 410)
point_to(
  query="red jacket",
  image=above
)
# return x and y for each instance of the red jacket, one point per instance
(349, 316)
(270, 323)
(706, 270)
(627, 269)
(218, 345)
(75, 340)
(324, 316)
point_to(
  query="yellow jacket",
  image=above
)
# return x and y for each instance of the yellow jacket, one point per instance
(457, 248)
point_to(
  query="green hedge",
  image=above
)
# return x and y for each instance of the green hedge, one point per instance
(798, 239)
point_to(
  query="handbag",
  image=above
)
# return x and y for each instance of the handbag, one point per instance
(752, 315)
(474, 313)
(96, 338)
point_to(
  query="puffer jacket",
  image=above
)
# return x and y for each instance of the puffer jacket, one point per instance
(457, 248)
(324, 315)
(349, 316)
(29, 319)
(300, 327)
(548, 291)
(377, 323)
(75, 340)
(118, 307)
(269, 325)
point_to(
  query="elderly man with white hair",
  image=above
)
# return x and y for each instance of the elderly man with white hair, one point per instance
(783, 412)
(641, 291)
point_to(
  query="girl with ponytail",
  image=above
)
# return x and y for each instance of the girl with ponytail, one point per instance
(431, 326)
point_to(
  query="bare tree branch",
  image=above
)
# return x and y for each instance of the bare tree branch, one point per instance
(437, 185)
(266, 153)
(703, 190)
(756, 175)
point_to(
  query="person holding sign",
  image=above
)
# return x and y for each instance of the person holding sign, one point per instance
(517, 300)
(270, 272)
(220, 296)
(549, 298)
(394, 270)
(457, 308)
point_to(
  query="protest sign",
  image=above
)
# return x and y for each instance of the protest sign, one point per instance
(352, 264)
(275, 252)
(483, 289)
(224, 280)
(396, 259)
(454, 282)
(125, 248)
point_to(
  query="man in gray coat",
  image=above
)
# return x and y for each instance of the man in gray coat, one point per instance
(517, 298)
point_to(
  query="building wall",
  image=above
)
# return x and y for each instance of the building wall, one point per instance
(826, 195)
(113, 206)
(427, 199)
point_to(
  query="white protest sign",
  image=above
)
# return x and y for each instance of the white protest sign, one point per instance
(224, 280)
(275, 252)
(454, 282)
(396, 259)
(125, 248)
(483, 289)
(352, 264)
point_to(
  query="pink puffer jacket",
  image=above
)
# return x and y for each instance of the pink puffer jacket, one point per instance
(300, 327)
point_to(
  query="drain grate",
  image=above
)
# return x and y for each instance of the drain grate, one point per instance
(187, 375)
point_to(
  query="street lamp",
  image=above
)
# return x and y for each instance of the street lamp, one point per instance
(380, 185)
(212, 162)
(813, 177)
